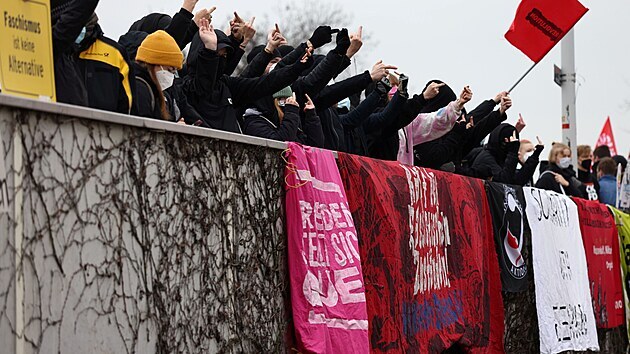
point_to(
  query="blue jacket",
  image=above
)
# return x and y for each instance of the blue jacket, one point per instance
(608, 190)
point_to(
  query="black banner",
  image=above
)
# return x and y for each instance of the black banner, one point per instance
(512, 235)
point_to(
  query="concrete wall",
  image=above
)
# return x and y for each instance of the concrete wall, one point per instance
(139, 236)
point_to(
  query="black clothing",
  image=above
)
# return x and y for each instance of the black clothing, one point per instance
(66, 28)
(256, 124)
(106, 72)
(181, 27)
(548, 182)
(590, 187)
(131, 41)
(215, 95)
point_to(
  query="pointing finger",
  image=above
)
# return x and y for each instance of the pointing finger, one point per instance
(211, 10)
(388, 67)
(252, 21)
(360, 33)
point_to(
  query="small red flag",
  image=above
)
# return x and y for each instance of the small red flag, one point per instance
(607, 138)
(540, 24)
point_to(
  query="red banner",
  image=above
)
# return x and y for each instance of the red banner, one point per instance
(430, 266)
(601, 243)
(607, 138)
(540, 24)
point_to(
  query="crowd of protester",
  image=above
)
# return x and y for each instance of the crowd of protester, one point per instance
(285, 93)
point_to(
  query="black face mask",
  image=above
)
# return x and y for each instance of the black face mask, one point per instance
(586, 164)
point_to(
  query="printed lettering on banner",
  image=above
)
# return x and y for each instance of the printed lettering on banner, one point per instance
(429, 278)
(563, 297)
(327, 291)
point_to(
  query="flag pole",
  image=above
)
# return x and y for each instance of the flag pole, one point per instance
(522, 77)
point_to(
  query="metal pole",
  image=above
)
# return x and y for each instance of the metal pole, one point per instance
(569, 121)
(522, 77)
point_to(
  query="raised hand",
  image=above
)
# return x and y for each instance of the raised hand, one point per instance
(380, 70)
(274, 39)
(292, 101)
(506, 104)
(307, 55)
(540, 141)
(465, 96)
(432, 90)
(356, 42)
(204, 13)
(343, 42)
(321, 36)
(470, 124)
(520, 124)
(499, 96)
(310, 106)
(207, 35)
(235, 26)
(189, 5)
(247, 32)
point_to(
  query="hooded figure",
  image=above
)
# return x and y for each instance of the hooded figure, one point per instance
(290, 127)
(499, 159)
(215, 95)
(102, 60)
(68, 19)
(452, 147)
(181, 26)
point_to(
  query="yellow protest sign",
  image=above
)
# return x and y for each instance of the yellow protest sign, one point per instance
(26, 56)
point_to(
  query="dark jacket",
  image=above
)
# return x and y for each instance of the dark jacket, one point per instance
(499, 160)
(383, 139)
(590, 185)
(215, 95)
(131, 41)
(147, 100)
(65, 30)
(107, 73)
(289, 129)
(547, 181)
(451, 147)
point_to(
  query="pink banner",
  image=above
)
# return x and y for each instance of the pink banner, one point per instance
(327, 291)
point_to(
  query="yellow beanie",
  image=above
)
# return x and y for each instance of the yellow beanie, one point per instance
(160, 48)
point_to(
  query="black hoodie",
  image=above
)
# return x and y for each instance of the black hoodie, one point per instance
(215, 95)
(499, 159)
(68, 19)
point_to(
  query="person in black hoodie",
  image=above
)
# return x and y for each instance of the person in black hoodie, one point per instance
(68, 17)
(106, 70)
(500, 158)
(217, 94)
(560, 176)
(290, 127)
(448, 151)
(158, 58)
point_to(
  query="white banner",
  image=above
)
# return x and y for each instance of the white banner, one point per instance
(563, 296)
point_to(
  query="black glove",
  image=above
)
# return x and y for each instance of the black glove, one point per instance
(404, 84)
(321, 36)
(539, 149)
(343, 42)
(513, 146)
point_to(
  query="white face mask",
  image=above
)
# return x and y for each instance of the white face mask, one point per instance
(165, 78)
(564, 162)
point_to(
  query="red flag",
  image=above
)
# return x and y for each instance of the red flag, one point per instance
(607, 138)
(540, 24)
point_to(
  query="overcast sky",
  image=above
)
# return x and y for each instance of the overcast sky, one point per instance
(461, 42)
